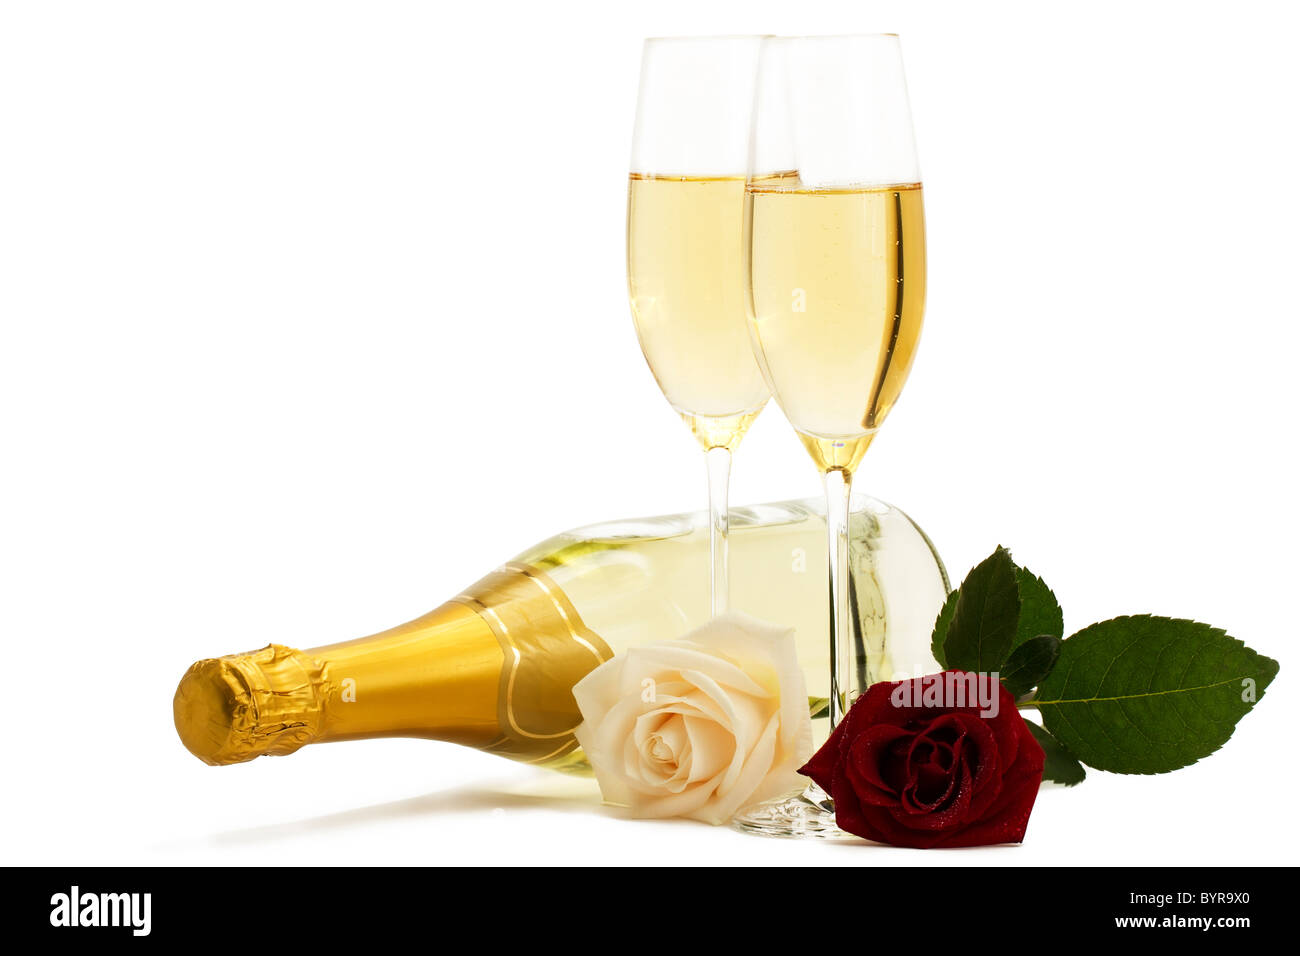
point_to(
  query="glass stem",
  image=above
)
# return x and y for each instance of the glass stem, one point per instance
(838, 484)
(718, 461)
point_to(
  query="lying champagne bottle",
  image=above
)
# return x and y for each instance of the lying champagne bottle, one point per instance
(493, 668)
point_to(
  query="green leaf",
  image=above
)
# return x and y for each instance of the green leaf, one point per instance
(940, 632)
(1148, 694)
(1059, 765)
(983, 625)
(1030, 663)
(818, 707)
(1040, 612)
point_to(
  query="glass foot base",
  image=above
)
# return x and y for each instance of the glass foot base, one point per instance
(810, 814)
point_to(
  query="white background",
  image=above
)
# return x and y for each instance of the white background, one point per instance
(314, 312)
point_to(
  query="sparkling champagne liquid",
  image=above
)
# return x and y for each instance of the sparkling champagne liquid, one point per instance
(685, 283)
(836, 280)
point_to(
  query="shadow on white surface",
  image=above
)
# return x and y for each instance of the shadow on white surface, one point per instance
(485, 800)
(460, 800)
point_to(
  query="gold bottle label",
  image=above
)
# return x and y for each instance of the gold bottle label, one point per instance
(546, 650)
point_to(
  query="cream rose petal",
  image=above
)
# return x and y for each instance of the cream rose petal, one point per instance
(606, 746)
(726, 725)
(663, 750)
(780, 651)
(755, 770)
(692, 702)
(712, 747)
(683, 656)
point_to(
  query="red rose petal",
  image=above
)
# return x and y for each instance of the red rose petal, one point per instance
(868, 765)
(953, 813)
(1007, 819)
(929, 776)
(821, 766)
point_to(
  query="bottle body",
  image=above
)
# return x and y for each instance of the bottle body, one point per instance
(493, 667)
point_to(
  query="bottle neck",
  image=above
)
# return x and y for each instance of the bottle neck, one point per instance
(432, 677)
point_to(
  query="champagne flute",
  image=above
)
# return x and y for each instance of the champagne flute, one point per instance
(835, 285)
(685, 203)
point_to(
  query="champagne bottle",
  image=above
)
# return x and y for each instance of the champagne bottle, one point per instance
(493, 668)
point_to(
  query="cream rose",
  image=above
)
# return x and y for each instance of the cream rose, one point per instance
(698, 727)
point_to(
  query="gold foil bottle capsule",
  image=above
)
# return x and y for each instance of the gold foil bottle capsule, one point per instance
(234, 708)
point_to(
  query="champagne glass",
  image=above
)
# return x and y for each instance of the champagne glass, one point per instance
(685, 203)
(835, 285)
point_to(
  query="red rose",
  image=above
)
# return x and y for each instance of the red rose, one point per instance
(923, 763)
